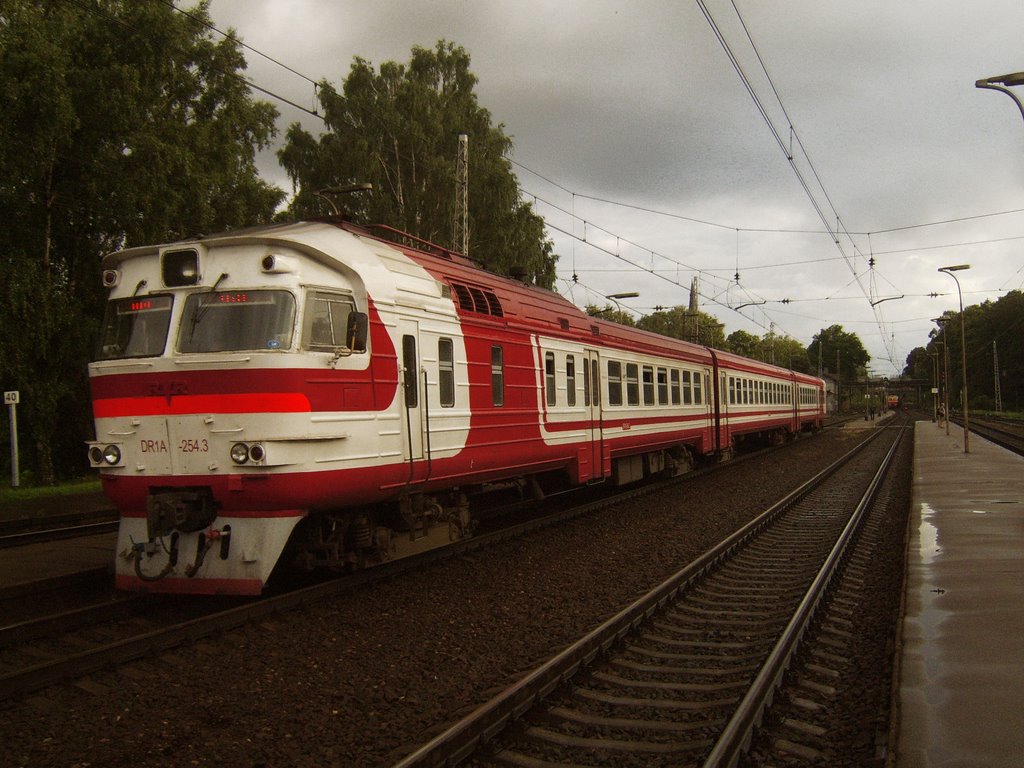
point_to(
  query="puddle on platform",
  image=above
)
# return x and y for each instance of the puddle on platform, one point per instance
(928, 535)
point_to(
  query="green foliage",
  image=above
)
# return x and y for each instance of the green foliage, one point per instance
(397, 128)
(788, 353)
(1001, 322)
(680, 323)
(771, 348)
(744, 343)
(608, 312)
(919, 365)
(839, 348)
(121, 122)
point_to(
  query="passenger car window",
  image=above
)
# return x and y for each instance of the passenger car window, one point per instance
(614, 382)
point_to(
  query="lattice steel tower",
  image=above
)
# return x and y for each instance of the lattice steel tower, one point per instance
(460, 229)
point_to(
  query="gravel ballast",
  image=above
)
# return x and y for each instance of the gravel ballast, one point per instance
(364, 678)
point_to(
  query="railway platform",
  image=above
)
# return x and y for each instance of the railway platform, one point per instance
(961, 664)
(58, 562)
(55, 562)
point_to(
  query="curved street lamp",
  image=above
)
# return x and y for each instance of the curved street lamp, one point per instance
(963, 340)
(615, 297)
(1003, 83)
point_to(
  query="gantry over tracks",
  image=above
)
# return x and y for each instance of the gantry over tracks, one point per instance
(684, 675)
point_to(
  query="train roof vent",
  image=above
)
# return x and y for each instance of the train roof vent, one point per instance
(465, 298)
(564, 323)
(473, 299)
(480, 301)
(493, 304)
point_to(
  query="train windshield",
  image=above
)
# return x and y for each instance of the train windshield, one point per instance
(227, 321)
(135, 327)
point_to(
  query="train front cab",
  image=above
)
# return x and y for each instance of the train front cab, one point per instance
(200, 424)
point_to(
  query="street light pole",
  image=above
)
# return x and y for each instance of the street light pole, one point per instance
(615, 297)
(945, 370)
(1003, 83)
(963, 340)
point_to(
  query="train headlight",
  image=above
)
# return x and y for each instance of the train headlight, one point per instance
(257, 453)
(105, 455)
(112, 455)
(240, 453)
(180, 267)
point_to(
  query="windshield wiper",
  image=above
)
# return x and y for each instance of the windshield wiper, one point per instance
(201, 309)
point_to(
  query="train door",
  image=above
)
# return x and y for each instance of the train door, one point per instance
(794, 390)
(723, 436)
(719, 400)
(708, 376)
(412, 391)
(594, 452)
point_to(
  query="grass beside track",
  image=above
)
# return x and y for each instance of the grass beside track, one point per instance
(28, 501)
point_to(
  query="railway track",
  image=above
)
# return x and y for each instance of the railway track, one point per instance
(33, 527)
(1001, 433)
(685, 674)
(47, 650)
(56, 533)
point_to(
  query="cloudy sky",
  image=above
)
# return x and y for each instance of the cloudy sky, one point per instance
(652, 162)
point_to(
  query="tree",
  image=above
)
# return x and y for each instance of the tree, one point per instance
(771, 348)
(919, 365)
(839, 348)
(788, 353)
(397, 128)
(682, 323)
(999, 322)
(121, 122)
(608, 312)
(744, 343)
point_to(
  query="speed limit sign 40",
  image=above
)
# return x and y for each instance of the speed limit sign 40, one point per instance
(11, 397)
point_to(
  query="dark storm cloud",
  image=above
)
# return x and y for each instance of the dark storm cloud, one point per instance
(637, 102)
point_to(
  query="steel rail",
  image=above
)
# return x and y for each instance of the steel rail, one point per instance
(1004, 438)
(57, 534)
(736, 736)
(460, 740)
(38, 676)
(65, 621)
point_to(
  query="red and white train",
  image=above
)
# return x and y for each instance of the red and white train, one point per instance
(337, 393)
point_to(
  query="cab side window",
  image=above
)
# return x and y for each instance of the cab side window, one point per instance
(330, 322)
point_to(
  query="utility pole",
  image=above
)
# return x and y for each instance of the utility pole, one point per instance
(460, 230)
(11, 399)
(995, 367)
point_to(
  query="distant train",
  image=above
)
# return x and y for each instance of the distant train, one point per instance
(336, 395)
